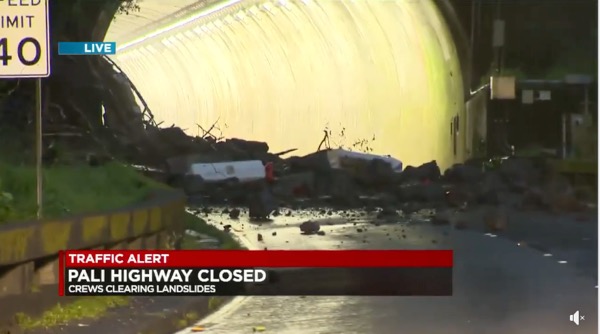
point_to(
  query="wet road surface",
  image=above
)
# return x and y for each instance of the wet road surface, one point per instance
(530, 284)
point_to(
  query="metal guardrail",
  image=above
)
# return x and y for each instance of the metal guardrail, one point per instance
(29, 250)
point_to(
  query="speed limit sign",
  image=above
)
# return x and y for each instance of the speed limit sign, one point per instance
(24, 39)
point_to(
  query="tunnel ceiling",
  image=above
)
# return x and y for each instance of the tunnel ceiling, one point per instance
(152, 14)
(379, 75)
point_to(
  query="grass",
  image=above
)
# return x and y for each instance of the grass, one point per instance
(197, 224)
(70, 189)
(83, 308)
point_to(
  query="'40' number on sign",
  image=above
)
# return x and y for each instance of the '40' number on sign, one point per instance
(6, 57)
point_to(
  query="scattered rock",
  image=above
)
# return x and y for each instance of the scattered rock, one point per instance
(274, 233)
(566, 203)
(424, 192)
(443, 217)
(519, 173)
(532, 199)
(429, 171)
(410, 208)
(310, 227)
(321, 233)
(234, 214)
(259, 237)
(460, 173)
(495, 219)
(460, 224)
(387, 213)
(227, 228)
(458, 196)
(261, 205)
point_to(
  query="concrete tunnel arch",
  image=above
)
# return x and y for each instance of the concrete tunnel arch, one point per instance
(387, 73)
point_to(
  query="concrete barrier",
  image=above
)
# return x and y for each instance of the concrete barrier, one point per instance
(29, 250)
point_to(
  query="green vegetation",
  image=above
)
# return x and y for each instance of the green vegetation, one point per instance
(83, 308)
(187, 320)
(197, 224)
(70, 189)
(215, 302)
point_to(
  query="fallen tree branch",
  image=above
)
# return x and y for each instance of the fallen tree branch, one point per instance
(146, 111)
(286, 151)
(324, 141)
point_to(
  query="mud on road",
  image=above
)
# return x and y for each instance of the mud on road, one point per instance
(528, 278)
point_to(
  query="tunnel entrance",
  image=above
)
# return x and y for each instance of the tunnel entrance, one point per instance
(384, 70)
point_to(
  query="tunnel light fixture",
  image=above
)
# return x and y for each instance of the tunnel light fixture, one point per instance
(228, 20)
(285, 4)
(267, 6)
(173, 39)
(165, 42)
(253, 11)
(210, 26)
(198, 30)
(180, 38)
(189, 33)
(239, 16)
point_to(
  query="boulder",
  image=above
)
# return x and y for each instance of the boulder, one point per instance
(428, 171)
(310, 227)
(424, 192)
(533, 199)
(459, 196)
(234, 214)
(495, 219)
(559, 196)
(460, 173)
(443, 217)
(519, 173)
(490, 189)
(261, 204)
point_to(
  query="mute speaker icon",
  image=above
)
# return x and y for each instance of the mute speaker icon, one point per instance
(575, 318)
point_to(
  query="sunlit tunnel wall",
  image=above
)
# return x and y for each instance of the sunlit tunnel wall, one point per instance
(385, 73)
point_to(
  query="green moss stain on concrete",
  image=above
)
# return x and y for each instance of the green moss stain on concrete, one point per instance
(93, 228)
(56, 235)
(140, 221)
(14, 244)
(155, 219)
(119, 226)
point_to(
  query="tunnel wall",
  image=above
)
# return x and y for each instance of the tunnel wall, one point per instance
(381, 75)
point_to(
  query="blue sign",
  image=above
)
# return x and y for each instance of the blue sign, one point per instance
(86, 48)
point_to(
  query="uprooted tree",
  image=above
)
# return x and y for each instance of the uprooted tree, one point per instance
(88, 104)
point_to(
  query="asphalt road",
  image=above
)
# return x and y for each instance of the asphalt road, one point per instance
(528, 280)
